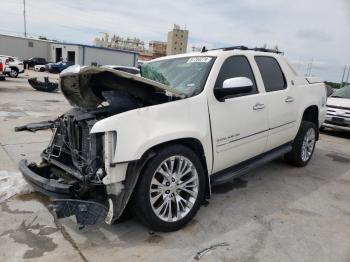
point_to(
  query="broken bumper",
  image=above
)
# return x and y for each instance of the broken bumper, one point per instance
(86, 212)
(47, 186)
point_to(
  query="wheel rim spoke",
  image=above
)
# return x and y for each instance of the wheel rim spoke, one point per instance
(174, 188)
(308, 144)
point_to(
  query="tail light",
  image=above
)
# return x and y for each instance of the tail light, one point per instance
(1, 67)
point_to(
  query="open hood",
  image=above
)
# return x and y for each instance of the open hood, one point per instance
(83, 86)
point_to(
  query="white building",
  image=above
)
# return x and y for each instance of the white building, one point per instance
(25, 48)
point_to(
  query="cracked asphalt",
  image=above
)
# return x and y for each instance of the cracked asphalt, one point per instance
(275, 213)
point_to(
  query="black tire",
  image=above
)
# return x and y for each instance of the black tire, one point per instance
(42, 69)
(140, 204)
(13, 73)
(322, 128)
(295, 157)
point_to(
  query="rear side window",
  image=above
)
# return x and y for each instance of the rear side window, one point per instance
(236, 66)
(271, 73)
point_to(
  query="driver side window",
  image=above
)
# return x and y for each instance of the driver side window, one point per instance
(236, 66)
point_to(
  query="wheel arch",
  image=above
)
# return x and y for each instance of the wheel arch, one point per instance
(15, 68)
(311, 114)
(192, 143)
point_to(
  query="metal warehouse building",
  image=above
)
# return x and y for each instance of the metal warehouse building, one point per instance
(25, 48)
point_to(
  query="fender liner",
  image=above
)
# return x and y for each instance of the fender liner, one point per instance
(121, 200)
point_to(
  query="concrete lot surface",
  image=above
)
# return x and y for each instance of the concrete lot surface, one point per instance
(276, 213)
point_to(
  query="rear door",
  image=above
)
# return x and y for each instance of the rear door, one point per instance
(239, 124)
(282, 102)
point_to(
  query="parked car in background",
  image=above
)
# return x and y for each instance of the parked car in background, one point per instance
(338, 110)
(32, 62)
(14, 64)
(2, 66)
(60, 66)
(161, 139)
(127, 69)
(39, 68)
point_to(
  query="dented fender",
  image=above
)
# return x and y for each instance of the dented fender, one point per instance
(141, 129)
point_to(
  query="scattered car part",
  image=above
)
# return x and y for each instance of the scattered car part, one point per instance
(45, 86)
(36, 126)
(86, 212)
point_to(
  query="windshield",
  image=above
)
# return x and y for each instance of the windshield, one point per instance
(186, 74)
(342, 92)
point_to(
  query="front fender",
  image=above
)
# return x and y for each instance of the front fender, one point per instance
(141, 129)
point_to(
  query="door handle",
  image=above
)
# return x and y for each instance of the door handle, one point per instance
(289, 99)
(258, 106)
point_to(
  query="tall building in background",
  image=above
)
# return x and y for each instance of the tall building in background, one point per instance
(177, 41)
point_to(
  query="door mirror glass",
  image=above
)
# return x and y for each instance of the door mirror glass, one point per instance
(233, 86)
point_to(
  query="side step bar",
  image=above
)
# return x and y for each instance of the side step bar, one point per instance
(238, 170)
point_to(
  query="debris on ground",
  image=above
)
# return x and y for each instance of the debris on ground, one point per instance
(12, 183)
(206, 250)
(45, 86)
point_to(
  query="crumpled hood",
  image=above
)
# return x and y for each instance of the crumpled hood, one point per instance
(83, 86)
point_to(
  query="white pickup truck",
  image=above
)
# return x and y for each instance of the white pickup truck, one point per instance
(156, 143)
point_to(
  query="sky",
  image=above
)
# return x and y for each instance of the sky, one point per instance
(308, 30)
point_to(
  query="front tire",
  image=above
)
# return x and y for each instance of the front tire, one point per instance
(170, 189)
(303, 145)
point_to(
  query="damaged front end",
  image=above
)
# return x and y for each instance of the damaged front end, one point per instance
(76, 168)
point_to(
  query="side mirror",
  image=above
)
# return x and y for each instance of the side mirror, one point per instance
(233, 86)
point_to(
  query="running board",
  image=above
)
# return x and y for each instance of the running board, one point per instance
(238, 170)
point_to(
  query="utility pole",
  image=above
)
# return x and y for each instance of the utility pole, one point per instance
(312, 60)
(347, 77)
(307, 69)
(342, 78)
(25, 19)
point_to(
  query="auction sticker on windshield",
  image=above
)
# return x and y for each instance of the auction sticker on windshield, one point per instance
(203, 59)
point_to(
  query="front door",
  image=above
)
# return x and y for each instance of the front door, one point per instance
(239, 124)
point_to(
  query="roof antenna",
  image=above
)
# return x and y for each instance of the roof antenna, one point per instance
(204, 49)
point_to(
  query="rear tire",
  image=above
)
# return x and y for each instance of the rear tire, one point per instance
(170, 189)
(303, 145)
(13, 73)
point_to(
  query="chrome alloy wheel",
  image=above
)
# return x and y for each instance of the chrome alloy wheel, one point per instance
(174, 188)
(308, 144)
